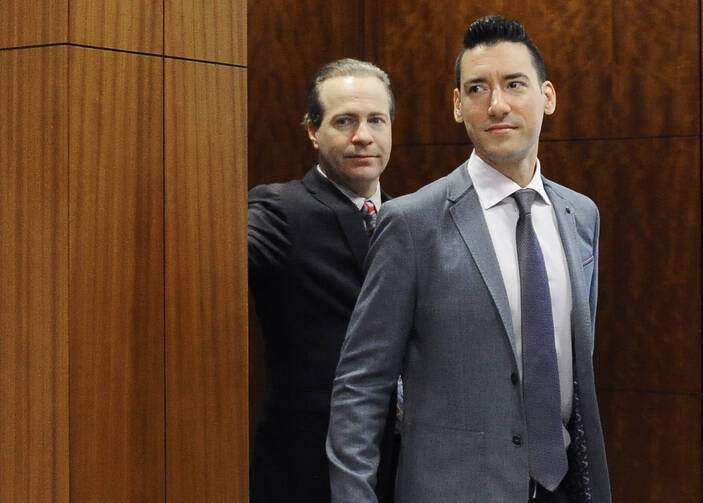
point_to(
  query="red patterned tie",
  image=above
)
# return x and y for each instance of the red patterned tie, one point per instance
(368, 211)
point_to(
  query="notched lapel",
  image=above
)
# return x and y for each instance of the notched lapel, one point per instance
(349, 220)
(467, 215)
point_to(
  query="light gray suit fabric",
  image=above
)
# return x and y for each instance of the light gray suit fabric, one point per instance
(434, 308)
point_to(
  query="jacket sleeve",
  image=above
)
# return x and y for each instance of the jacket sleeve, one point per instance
(267, 230)
(371, 360)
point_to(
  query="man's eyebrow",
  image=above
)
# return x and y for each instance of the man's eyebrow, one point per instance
(510, 76)
(518, 75)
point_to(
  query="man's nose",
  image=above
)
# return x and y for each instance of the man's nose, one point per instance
(499, 107)
(362, 134)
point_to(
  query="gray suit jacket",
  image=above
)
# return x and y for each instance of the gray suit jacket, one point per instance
(434, 308)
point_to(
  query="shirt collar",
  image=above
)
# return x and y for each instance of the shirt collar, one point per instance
(492, 186)
(353, 196)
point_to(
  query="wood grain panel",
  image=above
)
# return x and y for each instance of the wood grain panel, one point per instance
(649, 313)
(117, 277)
(33, 22)
(34, 265)
(656, 64)
(206, 277)
(287, 43)
(207, 30)
(413, 166)
(634, 74)
(620, 69)
(653, 443)
(131, 25)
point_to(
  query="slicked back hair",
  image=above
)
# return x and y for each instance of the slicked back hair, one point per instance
(490, 30)
(346, 67)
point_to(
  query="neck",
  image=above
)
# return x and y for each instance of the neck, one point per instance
(367, 191)
(521, 172)
(362, 188)
(522, 175)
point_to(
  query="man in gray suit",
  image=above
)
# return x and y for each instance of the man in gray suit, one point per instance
(445, 304)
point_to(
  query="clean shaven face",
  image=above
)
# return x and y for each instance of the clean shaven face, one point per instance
(354, 137)
(502, 103)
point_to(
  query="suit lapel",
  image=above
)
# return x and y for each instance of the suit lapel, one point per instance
(580, 313)
(347, 215)
(467, 215)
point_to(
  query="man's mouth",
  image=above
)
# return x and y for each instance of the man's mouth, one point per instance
(500, 128)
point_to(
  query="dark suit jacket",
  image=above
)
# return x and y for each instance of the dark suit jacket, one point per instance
(307, 244)
(434, 305)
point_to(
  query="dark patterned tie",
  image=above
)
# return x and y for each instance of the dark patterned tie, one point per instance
(368, 211)
(547, 455)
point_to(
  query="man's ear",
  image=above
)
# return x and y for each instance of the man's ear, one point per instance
(458, 116)
(550, 94)
(312, 133)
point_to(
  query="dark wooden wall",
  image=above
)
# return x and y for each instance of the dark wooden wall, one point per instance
(627, 132)
(123, 340)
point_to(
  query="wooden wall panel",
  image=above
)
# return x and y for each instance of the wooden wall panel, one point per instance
(412, 166)
(34, 265)
(286, 45)
(620, 69)
(33, 22)
(206, 277)
(648, 192)
(207, 30)
(116, 277)
(130, 25)
(656, 68)
(653, 444)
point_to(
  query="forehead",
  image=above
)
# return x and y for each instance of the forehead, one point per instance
(500, 59)
(354, 93)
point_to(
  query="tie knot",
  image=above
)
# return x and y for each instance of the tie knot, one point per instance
(368, 208)
(524, 199)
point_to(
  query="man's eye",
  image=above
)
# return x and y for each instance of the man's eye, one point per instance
(342, 121)
(515, 84)
(474, 89)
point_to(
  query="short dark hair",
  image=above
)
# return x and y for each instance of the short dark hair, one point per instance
(342, 68)
(490, 30)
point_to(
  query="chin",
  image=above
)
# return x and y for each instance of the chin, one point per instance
(364, 171)
(505, 155)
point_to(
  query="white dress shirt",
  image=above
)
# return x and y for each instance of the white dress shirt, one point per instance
(500, 210)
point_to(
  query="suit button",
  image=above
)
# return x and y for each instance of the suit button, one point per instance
(517, 440)
(514, 378)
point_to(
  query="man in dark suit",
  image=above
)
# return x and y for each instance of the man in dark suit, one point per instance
(307, 242)
(481, 291)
